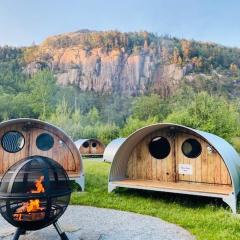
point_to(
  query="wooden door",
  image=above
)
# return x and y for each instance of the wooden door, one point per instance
(165, 168)
(143, 165)
(186, 166)
(206, 166)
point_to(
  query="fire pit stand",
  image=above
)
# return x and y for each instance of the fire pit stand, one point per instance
(34, 193)
(21, 231)
(18, 232)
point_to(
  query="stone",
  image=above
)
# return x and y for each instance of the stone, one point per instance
(90, 223)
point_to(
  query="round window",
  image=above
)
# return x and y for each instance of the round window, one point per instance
(13, 141)
(44, 142)
(86, 144)
(191, 148)
(94, 144)
(159, 147)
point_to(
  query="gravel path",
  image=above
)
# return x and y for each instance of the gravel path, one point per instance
(90, 223)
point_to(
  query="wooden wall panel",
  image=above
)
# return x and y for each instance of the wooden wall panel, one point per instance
(8, 159)
(142, 165)
(60, 152)
(99, 149)
(208, 167)
(84, 150)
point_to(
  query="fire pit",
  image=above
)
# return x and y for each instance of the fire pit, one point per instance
(34, 193)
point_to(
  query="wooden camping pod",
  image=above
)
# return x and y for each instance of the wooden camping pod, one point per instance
(21, 138)
(178, 159)
(90, 147)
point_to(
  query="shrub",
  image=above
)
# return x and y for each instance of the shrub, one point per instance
(209, 113)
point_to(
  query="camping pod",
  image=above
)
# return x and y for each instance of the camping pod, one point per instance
(177, 159)
(111, 149)
(22, 138)
(90, 147)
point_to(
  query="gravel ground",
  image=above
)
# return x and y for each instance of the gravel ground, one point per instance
(90, 223)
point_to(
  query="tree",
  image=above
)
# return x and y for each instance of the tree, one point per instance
(234, 69)
(186, 48)
(180, 60)
(67, 119)
(176, 55)
(116, 109)
(107, 132)
(209, 113)
(165, 55)
(197, 62)
(92, 117)
(132, 124)
(145, 107)
(42, 89)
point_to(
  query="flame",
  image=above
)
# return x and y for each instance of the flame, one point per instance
(33, 205)
(39, 186)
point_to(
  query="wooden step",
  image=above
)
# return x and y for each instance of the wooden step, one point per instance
(182, 186)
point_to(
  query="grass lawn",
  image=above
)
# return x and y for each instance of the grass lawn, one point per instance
(205, 218)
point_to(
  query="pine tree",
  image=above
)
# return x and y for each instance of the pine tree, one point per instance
(186, 45)
(176, 56)
(234, 69)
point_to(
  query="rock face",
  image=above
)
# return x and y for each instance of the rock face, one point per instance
(108, 71)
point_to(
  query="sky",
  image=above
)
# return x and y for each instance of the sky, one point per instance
(23, 22)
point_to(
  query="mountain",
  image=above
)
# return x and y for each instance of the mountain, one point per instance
(133, 63)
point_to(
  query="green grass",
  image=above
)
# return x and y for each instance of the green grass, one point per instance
(205, 218)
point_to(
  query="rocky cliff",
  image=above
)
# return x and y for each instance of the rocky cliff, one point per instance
(132, 63)
(107, 70)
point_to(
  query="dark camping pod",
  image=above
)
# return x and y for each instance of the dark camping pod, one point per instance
(177, 159)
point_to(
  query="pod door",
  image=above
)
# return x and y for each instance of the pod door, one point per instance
(161, 149)
(153, 158)
(197, 161)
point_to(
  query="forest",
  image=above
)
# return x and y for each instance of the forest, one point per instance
(206, 104)
(88, 114)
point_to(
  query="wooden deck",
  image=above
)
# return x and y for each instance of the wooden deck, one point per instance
(178, 186)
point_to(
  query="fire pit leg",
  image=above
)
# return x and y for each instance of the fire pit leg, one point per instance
(60, 232)
(18, 232)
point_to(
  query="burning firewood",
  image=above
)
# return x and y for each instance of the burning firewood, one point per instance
(31, 209)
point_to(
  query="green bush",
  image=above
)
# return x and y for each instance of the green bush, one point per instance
(133, 124)
(236, 143)
(145, 107)
(209, 113)
(82, 126)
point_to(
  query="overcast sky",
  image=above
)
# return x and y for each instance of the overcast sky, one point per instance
(25, 21)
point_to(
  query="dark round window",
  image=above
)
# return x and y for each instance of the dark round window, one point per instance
(94, 144)
(159, 147)
(45, 141)
(13, 141)
(86, 144)
(191, 148)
